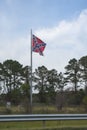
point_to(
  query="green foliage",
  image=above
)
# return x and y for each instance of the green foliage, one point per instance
(50, 84)
(16, 96)
(83, 70)
(40, 79)
(11, 73)
(72, 72)
(85, 102)
(25, 90)
(75, 98)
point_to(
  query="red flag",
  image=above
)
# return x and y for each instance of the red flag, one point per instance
(38, 45)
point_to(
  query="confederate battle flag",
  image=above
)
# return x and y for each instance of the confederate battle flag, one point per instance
(38, 45)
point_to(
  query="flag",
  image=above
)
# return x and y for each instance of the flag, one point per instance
(38, 45)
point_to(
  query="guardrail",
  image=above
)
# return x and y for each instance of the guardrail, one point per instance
(42, 117)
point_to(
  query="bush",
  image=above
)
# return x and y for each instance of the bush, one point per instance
(85, 102)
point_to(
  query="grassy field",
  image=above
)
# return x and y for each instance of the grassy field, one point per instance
(42, 109)
(48, 125)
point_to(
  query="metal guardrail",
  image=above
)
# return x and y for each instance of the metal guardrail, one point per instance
(42, 117)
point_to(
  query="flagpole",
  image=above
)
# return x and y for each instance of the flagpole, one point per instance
(31, 75)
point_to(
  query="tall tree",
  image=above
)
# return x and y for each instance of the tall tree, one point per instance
(72, 73)
(12, 75)
(83, 70)
(52, 79)
(60, 96)
(25, 88)
(41, 82)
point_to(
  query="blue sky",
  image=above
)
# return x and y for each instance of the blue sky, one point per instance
(60, 23)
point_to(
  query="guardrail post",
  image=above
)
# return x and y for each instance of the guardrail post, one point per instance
(44, 123)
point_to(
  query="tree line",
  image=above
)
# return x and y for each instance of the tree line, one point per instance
(52, 86)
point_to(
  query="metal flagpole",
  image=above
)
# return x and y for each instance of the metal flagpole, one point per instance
(31, 75)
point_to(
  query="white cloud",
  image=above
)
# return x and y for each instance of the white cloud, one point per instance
(65, 41)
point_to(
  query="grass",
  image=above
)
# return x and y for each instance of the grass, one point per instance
(50, 109)
(48, 125)
(42, 109)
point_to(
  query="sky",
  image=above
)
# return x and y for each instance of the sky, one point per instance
(61, 24)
